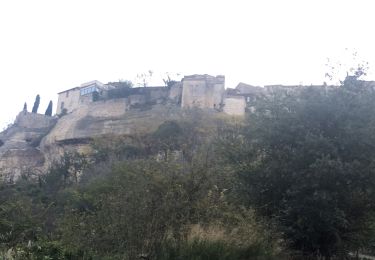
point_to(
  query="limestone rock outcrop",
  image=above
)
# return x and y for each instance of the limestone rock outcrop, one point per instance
(34, 142)
(19, 151)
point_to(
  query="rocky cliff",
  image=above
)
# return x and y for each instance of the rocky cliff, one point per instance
(35, 141)
(20, 145)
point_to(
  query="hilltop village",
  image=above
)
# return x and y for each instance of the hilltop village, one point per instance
(201, 91)
(94, 109)
(195, 91)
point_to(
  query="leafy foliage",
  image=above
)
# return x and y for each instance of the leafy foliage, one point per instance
(147, 206)
(135, 198)
(306, 159)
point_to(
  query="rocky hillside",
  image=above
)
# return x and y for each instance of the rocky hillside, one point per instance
(35, 141)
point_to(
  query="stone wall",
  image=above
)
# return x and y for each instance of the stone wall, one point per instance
(86, 99)
(235, 105)
(175, 93)
(33, 120)
(157, 94)
(107, 108)
(193, 93)
(135, 100)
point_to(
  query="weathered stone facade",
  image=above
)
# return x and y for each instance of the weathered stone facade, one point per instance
(69, 100)
(73, 98)
(235, 105)
(203, 91)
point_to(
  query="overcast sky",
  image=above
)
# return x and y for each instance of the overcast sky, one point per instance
(47, 46)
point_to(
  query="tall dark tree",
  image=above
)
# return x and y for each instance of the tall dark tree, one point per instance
(25, 107)
(49, 109)
(36, 104)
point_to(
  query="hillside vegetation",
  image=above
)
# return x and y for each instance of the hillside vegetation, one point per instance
(294, 180)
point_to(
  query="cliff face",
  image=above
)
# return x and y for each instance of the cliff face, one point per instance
(108, 117)
(35, 141)
(19, 152)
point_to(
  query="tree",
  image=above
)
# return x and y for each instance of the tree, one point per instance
(306, 160)
(168, 137)
(36, 104)
(25, 107)
(155, 208)
(349, 63)
(124, 84)
(121, 83)
(49, 109)
(144, 78)
(169, 81)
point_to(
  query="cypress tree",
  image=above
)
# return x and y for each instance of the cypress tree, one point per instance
(25, 107)
(49, 109)
(36, 104)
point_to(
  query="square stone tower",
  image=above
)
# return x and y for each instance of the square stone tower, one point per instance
(203, 91)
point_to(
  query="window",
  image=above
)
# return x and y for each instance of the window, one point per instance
(89, 90)
(62, 105)
(67, 94)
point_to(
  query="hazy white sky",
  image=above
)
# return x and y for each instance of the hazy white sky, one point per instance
(47, 46)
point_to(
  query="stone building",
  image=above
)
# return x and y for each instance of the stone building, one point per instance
(71, 99)
(203, 91)
(234, 105)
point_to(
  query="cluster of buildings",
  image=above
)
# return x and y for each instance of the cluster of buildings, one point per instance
(201, 91)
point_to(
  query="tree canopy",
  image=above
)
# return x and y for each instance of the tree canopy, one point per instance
(306, 159)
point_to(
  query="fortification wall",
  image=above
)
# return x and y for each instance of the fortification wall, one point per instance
(107, 108)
